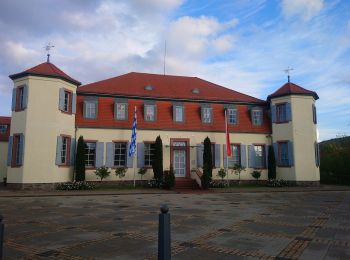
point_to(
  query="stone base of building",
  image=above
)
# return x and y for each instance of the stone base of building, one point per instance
(307, 183)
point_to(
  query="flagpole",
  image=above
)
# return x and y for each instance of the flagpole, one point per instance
(134, 161)
(226, 126)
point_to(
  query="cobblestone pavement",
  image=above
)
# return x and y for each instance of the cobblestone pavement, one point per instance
(296, 225)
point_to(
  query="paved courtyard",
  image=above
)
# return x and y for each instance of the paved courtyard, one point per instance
(282, 225)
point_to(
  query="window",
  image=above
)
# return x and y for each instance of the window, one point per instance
(120, 154)
(257, 117)
(281, 113)
(149, 154)
(314, 114)
(65, 150)
(207, 115)
(121, 111)
(232, 116)
(317, 154)
(3, 129)
(20, 98)
(283, 158)
(90, 109)
(67, 101)
(17, 149)
(235, 159)
(259, 156)
(150, 112)
(178, 113)
(90, 154)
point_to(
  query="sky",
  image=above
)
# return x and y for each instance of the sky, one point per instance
(244, 45)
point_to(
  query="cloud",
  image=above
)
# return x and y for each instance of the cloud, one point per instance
(307, 9)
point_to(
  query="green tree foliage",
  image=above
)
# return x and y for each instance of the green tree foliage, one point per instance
(207, 164)
(102, 172)
(271, 161)
(80, 160)
(335, 161)
(256, 175)
(157, 164)
(169, 178)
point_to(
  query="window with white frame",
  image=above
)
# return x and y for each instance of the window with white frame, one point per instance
(257, 116)
(235, 159)
(121, 111)
(281, 113)
(67, 100)
(232, 116)
(179, 113)
(283, 158)
(259, 156)
(65, 150)
(90, 109)
(20, 98)
(90, 154)
(120, 154)
(3, 129)
(149, 154)
(207, 114)
(150, 112)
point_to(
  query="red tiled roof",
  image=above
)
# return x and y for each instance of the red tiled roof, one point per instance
(291, 88)
(46, 69)
(5, 120)
(193, 122)
(165, 87)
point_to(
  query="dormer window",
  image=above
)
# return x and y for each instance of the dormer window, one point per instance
(232, 116)
(195, 91)
(207, 114)
(3, 129)
(121, 109)
(149, 87)
(150, 111)
(257, 116)
(90, 108)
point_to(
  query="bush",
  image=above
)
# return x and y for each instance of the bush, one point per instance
(77, 185)
(142, 171)
(169, 178)
(102, 172)
(207, 164)
(237, 169)
(222, 173)
(256, 174)
(120, 172)
(219, 184)
(279, 183)
(155, 183)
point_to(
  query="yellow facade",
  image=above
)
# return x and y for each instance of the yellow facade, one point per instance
(301, 130)
(107, 135)
(3, 160)
(41, 122)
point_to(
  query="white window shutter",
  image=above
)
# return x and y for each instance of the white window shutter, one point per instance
(9, 151)
(58, 150)
(74, 103)
(99, 154)
(243, 156)
(217, 156)
(140, 155)
(110, 154)
(25, 97)
(200, 151)
(129, 159)
(14, 96)
(61, 99)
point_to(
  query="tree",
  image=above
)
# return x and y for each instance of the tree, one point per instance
(102, 172)
(271, 163)
(237, 169)
(80, 160)
(157, 163)
(222, 174)
(169, 178)
(256, 174)
(142, 171)
(207, 164)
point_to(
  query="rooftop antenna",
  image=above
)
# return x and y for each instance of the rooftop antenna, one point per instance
(48, 47)
(164, 56)
(288, 70)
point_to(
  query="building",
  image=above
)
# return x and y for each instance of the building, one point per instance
(50, 110)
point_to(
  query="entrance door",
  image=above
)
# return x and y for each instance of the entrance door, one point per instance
(180, 162)
(179, 157)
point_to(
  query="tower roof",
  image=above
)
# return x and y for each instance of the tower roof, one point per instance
(292, 89)
(46, 69)
(165, 87)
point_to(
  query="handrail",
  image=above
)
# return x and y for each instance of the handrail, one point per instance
(196, 175)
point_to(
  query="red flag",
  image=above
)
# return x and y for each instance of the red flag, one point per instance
(228, 144)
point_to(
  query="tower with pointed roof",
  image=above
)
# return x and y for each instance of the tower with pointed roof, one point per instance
(294, 134)
(43, 116)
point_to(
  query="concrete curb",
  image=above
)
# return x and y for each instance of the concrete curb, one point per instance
(6, 194)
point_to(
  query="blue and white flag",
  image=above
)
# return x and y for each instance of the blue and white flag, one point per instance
(132, 147)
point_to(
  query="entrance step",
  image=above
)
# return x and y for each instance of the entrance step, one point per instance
(184, 183)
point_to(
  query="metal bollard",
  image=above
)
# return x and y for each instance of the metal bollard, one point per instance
(164, 249)
(2, 229)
